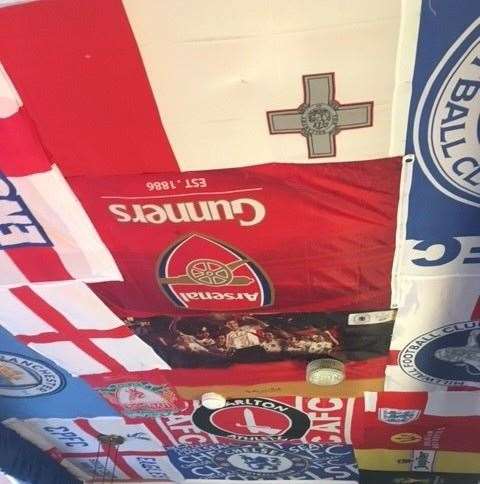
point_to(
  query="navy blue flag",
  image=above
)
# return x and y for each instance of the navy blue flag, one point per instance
(269, 461)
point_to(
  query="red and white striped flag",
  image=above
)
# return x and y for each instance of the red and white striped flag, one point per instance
(45, 235)
(71, 326)
(73, 442)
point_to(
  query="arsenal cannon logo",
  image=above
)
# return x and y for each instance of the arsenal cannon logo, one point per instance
(197, 272)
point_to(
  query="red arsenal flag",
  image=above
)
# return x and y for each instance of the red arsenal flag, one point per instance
(269, 238)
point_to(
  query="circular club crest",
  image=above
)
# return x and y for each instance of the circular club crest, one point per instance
(446, 132)
(260, 462)
(319, 119)
(449, 355)
(253, 419)
(22, 377)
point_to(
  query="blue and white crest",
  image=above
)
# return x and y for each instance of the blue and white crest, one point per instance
(261, 461)
(27, 377)
(272, 462)
(398, 416)
(449, 355)
(446, 131)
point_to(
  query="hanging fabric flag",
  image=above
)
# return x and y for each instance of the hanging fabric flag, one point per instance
(33, 386)
(421, 433)
(250, 420)
(257, 419)
(79, 436)
(266, 461)
(264, 82)
(436, 286)
(436, 337)
(249, 238)
(404, 461)
(245, 353)
(130, 467)
(70, 325)
(45, 236)
(135, 452)
(427, 422)
(145, 395)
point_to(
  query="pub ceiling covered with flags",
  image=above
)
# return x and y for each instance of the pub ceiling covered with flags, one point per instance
(240, 240)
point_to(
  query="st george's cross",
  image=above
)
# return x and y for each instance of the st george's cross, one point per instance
(320, 117)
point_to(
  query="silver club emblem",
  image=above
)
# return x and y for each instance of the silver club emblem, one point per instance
(320, 118)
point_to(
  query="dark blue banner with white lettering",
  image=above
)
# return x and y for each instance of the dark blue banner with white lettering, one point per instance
(33, 386)
(272, 461)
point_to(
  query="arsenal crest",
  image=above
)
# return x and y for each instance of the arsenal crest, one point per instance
(198, 272)
(253, 420)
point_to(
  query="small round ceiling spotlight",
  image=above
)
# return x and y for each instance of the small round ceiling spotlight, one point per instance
(212, 400)
(325, 372)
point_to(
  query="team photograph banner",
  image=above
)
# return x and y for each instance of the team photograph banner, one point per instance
(210, 241)
(267, 354)
(220, 340)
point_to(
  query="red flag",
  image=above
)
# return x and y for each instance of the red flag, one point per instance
(271, 237)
